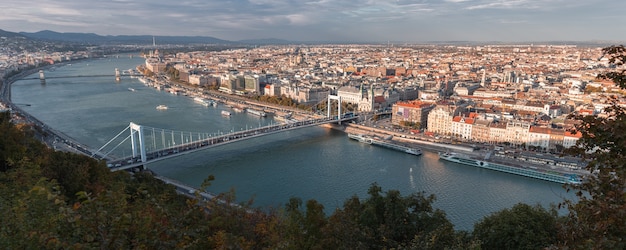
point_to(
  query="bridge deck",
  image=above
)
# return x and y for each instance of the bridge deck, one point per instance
(171, 152)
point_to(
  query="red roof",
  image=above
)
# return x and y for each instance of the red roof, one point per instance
(414, 104)
(539, 130)
(586, 111)
(577, 135)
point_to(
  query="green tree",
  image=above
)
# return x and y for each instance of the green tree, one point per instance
(172, 72)
(303, 230)
(521, 227)
(389, 220)
(598, 219)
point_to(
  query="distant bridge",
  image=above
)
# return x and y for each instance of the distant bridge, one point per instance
(118, 74)
(78, 76)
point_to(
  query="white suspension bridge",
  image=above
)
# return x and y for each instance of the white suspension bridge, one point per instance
(151, 144)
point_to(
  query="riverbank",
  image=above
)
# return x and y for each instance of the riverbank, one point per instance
(49, 136)
(402, 139)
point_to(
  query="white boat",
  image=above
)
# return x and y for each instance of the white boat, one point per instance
(257, 112)
(161, 107)
(529, 171)
(131, 89)
(225, 113)
(202, 101)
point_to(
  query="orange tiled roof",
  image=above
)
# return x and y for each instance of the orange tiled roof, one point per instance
(414, 104)
(537, 129)
(577, 135)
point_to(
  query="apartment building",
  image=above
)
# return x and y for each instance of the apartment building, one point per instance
(440, 120)
(517, 132)
(413, 111)
(155, 65)
(539, 137)
(497, 132)
(462, 127)
(480, 130)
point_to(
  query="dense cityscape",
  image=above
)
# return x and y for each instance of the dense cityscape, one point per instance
(517, 102)
(518, 95)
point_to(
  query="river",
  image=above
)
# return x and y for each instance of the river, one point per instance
(310, 163)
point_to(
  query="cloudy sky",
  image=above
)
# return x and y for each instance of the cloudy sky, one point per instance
(328, 20)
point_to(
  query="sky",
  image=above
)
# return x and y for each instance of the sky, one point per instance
(328, 20)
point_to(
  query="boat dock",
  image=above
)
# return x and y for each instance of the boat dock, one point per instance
(385, 144)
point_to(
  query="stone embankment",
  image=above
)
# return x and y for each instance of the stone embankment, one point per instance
(401, 138)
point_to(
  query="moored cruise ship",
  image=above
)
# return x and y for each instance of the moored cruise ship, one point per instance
(385, 144)
(529, 171)
(256, 112)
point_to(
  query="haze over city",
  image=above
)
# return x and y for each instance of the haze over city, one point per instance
(329, 20)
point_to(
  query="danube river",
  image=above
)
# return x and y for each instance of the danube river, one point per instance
(311, 163)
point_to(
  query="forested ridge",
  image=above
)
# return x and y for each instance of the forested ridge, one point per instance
(58, 200)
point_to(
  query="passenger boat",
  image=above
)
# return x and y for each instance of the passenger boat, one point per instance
(530, 171)
(385, 144)
(202, 101)
(161, 107)
(225, 113)
(256, 112)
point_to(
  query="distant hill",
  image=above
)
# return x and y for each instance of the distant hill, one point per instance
(95, 39)
(267, 41)
(91, 38)
(4, 33)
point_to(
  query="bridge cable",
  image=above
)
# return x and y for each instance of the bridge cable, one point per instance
(117, 146)
(115, 137)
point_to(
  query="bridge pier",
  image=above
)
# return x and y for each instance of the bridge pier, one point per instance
(338, 98)
(42, 77)
(137, 129)
(117, 75)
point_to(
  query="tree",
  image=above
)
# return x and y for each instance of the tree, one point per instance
(598, 219)
(304, 230)
(521, 227)
(389, 220)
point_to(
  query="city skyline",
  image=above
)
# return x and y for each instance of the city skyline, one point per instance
(329, 20)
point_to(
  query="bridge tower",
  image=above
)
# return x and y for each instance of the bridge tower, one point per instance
(42, 77)
(338, 98)
(137, 141)
(117, 75)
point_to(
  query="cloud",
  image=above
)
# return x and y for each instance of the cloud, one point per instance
(299, 19)
(504, 4)
(304, 19)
